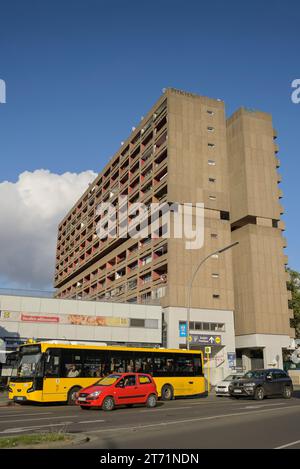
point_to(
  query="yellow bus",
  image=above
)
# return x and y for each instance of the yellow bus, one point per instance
(55, 371)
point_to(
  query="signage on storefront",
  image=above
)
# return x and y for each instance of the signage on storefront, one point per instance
(74, 319)
(202, 339)
(231, 357)
(182, 329)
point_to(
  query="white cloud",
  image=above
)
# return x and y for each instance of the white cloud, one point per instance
(30, 210)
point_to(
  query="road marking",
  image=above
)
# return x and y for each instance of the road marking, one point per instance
(176, 422)
(90, 421)
(37, 418)
(166, 409)
(288, 444)
(25, 415)
(25, 429)
(265, 405)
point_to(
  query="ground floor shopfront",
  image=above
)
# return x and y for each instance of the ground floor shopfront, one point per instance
(24, 317)
(208, 328)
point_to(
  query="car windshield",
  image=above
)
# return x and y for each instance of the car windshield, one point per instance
(108, 380)
(254, 374)
(231, 378)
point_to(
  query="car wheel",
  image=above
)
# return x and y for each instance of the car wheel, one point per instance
(287, 392)
(151, 401)
(167, 393)
(84, 407)
(108, 404)
(259, 394)
(72, 395)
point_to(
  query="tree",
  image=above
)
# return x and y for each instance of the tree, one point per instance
(294, 287)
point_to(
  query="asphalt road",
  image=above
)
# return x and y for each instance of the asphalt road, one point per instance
(186, 423)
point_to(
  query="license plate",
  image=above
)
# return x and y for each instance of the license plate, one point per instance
(19, 398)
(81, 399)
(237, 390)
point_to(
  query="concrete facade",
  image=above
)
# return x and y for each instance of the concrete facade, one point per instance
(185, 150)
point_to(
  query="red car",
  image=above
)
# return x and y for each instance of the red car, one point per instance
(119, 389)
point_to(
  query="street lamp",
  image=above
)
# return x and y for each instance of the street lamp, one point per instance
(219, 251)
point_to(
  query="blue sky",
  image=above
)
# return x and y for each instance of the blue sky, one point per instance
(80, 74)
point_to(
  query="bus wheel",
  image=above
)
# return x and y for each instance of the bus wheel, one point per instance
(167, 392)
(72, 395)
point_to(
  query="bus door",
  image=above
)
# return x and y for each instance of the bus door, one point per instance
(53, 389)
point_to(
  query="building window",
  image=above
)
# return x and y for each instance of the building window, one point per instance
(212, 179)
(211, 113)
(215, 275)
(132, 300)
(211, 163)
(224, 215)
(210, 129)
(151, 323)
(137, 322)
(216, 296)
(211, 145)
(212, 197)
(214, 235)
(217, 327)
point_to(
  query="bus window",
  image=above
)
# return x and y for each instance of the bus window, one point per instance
(122, 362)
(118, 364)
(143, 364)
(72, 363)
(52, 363)
(197, 366)
(95, 363)
(163, 365)
(185, 366)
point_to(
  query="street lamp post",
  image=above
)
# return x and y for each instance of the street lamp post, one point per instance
(219, 251)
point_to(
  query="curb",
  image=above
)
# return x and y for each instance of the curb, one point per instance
(8, 404)
(76, 440)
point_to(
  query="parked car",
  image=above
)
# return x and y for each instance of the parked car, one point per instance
(221, 388)
(261, 383)
(119, 389)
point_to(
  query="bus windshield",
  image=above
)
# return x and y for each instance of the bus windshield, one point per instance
(28, 366)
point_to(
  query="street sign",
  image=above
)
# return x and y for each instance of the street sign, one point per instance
(202, 339)
(207, 350)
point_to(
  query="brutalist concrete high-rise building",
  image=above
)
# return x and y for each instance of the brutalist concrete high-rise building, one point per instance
(184, 151)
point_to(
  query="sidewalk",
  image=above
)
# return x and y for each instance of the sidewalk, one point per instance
(4, 402)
